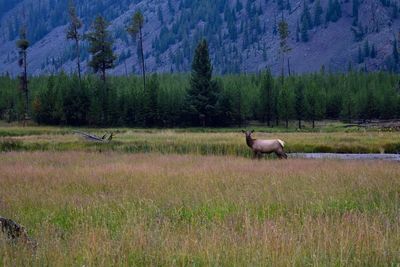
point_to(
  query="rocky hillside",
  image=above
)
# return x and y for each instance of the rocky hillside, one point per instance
(334, 34)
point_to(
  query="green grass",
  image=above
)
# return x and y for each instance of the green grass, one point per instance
(116, 209)
(196, 141)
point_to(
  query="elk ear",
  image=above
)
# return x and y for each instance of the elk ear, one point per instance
(252, 131)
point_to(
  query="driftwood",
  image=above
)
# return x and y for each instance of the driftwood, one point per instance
(95, 138)
(16, 232)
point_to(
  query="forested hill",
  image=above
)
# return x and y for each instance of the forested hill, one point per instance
(242, 34)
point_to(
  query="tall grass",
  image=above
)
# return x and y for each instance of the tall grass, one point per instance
(179, 141)
(104, 209)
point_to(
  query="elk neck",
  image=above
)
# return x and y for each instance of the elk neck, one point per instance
(250, 141)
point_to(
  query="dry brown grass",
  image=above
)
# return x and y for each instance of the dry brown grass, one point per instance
(146, 209)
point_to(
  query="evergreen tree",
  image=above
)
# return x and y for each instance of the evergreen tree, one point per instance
(267, 97)
(73, 34)
(237, 105)
(306, 16)
(360, 56)
(366, 49)
(100, 46)
(285, 104)
(395, 11)
(348, 106)
(283, 29)
(160, 15)
(297, 32)
(334, 11)
(315, 107)
(203, 93)
(388, 106)
(304, 31)
(356, 5)
(274, 28)
(317, 13)
(299, 104)
(395, 52)
(151, 110)
(370, 108)
(136, 28)
(22, 45)
(44, 104)
(373, 51)
(75, 102)
(306, 22)
(281, 4)
(239, 6)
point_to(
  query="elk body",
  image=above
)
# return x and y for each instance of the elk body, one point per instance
(260, 147)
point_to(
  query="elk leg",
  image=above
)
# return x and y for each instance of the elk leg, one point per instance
(281, 155)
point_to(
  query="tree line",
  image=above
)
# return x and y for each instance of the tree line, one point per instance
(172, 100)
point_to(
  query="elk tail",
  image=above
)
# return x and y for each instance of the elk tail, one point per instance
(281, 142)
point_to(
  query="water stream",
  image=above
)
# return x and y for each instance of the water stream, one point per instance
(388, 157)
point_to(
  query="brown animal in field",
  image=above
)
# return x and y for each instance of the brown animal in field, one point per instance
(15, 232)
(260, 147)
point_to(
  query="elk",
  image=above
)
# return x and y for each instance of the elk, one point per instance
(260, 147)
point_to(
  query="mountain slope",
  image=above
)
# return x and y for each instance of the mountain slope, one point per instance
(242, 34)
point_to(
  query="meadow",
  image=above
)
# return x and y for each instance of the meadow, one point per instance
(211, 141)
(182, 197)
(107, 209)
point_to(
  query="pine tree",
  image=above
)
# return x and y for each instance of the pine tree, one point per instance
(267, 97)
(299, 104)
(22, 45)
(373, 51)
(356, 5)
(283, 29)
(237, 105)
(203, 93)
(366, 49)
(239, 6)
(274, 28)
(280, 4)
(360, 56)
(315, 100)
(395, 52)
(317, 13)
(395, 11)
(151, 110)
(285, 104)
(306, 22)
(304, 31)
(160, 15)
(334, 11)
(134, 29)
(100, 46)
(73, 34)
(306, 16)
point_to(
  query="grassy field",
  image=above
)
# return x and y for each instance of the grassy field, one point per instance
(105, 209)
(192, 197)
(200, 142)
